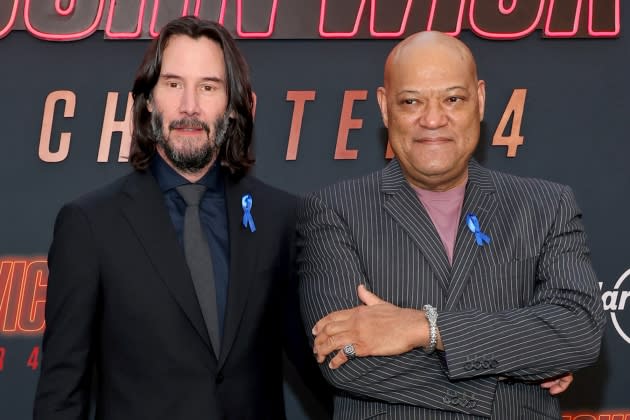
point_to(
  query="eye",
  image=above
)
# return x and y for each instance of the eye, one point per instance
(454, 99)
(207, 88)
(173, 84)
(409, 101)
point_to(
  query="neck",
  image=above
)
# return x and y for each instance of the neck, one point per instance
(438, 185)
(195, 176)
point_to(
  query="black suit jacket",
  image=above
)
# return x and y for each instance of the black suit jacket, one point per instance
(124, 324)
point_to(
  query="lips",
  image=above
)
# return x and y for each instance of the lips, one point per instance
(189, 125)
(433, 140)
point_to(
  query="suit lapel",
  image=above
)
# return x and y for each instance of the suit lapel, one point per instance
(402, 204)
(243, 260)
(147, 215)
(480, 201)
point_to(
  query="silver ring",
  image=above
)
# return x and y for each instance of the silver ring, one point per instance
(349, 351)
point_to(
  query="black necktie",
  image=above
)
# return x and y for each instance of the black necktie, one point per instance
(199, 261)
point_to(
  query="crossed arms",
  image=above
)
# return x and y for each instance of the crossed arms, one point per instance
(557, 331)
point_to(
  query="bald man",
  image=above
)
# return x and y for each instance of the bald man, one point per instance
(436, 288)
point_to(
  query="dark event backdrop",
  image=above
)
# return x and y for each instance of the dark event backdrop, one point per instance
(316, 122)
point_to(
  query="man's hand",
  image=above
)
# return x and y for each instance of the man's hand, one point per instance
(559, 385)
(376, 328)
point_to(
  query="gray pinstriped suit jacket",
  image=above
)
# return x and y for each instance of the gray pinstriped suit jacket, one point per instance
(524, 308)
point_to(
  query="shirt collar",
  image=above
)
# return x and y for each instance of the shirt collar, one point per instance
(168, 179)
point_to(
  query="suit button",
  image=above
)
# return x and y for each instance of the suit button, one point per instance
(219, 378)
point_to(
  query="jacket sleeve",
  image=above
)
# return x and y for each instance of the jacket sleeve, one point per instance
(307, 378)
(330, 269)
(63, 391)
(560, 329)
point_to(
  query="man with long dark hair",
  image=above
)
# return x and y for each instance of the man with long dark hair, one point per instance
(168, 288)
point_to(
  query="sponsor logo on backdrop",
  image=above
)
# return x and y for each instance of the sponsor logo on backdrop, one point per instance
(615, 302)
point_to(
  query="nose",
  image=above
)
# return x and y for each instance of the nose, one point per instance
(189, 102)
(433, 115)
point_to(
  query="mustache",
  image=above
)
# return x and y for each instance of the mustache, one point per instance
(189, 123)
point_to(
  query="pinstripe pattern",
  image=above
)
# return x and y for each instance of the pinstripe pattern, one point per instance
(524, 308)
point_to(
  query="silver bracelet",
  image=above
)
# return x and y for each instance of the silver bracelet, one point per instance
(431, 313)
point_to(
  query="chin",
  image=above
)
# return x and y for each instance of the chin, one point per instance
(434, 167)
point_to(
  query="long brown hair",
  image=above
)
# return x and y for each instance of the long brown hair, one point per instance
(234, 153)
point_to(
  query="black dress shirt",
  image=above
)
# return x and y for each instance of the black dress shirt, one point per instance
(213, 214)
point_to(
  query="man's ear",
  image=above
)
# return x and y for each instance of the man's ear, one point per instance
(149, 105)
(481, 98)
(381, 97)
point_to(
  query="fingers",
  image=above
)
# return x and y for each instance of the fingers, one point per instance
(567, 379)
(331, 328)
(558, 386)
(326, 345)
(331, 334)
(551, 386)
(368, 297)
(339, 359)
(333, 331)
(331, 317)
(561, 385)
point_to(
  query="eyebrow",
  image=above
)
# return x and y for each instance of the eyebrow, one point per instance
(456, 87)
(205, 79)
(448, 89)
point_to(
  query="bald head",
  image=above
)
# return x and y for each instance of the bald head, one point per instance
(429, 46)
(432, 104)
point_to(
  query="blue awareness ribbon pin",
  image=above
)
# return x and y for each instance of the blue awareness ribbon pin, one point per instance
(248, 220)
(473, 225)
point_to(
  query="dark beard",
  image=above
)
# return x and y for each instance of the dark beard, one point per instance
(190, 161)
